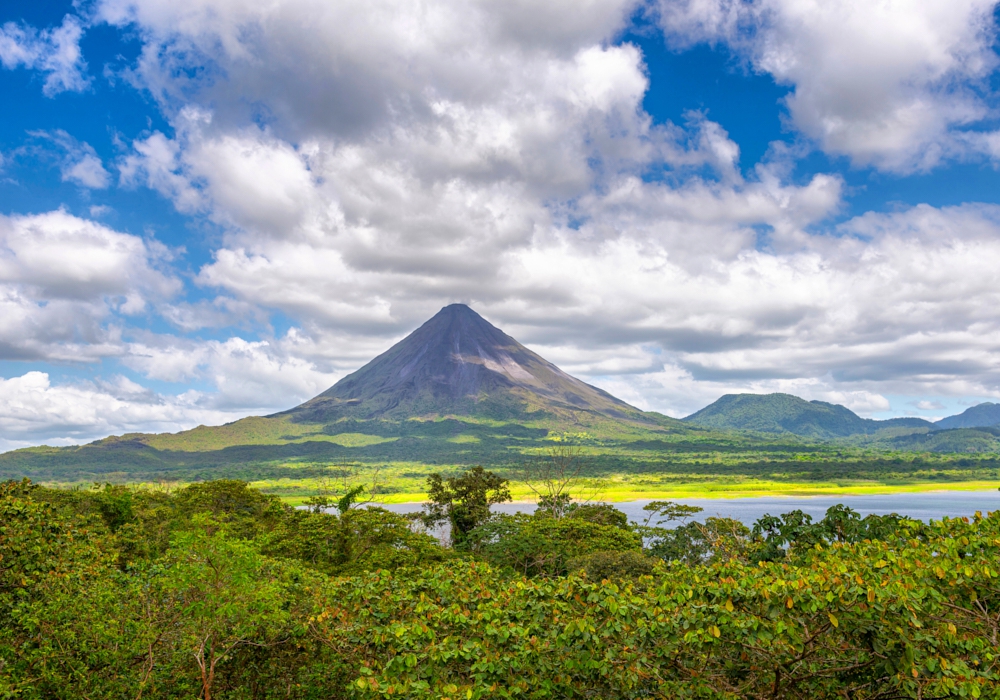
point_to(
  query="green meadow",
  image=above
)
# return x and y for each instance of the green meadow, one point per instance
(296, 460)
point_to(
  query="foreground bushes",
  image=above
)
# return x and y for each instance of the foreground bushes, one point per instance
(220, 592)
(862, 621)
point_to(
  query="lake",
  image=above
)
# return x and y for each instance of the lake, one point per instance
(932, 505)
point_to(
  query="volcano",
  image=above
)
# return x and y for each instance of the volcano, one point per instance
(456, 391)
(459, 364)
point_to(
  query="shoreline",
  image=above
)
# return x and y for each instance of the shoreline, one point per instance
(797, 490)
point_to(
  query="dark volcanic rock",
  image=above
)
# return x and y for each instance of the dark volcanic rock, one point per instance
(459, 364)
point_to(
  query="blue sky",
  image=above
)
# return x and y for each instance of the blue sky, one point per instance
(214, 209)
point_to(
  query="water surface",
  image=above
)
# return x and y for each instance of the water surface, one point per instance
(925, 506)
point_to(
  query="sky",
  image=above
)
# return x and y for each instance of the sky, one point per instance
(213, 208)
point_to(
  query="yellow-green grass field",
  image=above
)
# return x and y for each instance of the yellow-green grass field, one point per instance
(618, 488)
(617, 491)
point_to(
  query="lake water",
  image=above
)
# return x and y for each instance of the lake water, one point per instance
(922, 506)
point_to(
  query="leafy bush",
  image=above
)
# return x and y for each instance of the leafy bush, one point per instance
(542, 546)
(614, 566)
(358, 540)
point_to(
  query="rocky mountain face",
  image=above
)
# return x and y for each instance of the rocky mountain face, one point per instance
(459, 364)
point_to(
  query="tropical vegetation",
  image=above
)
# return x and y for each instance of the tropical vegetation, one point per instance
(217, 590)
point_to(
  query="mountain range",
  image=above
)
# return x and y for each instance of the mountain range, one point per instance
(459, 390)
(785, 413)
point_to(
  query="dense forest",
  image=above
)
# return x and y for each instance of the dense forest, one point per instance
(217, 590)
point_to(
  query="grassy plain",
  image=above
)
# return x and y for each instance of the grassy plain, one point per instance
(619, 462)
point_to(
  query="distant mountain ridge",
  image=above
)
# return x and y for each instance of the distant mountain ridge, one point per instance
(784, 413)
(983, 415)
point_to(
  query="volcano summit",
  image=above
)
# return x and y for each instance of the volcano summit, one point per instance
(459, 364)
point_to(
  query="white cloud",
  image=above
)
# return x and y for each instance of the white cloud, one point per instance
(33, 411)
(64, 279)
(54, 52)
(517, 179)
(257, 376)
(316, 67)
(890, 84)
(78, 161)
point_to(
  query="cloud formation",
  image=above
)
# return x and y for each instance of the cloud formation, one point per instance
(53, 52)
(891, 84)
(78, 161)
(67, 284)
(365, 165)
(32, 409)
(526, 191)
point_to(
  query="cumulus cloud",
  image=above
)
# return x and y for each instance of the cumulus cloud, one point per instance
(258, 375)
(34, 410)
(54, 52)
(78, 161)
(64, 280)
(313, 66)
(526, 191)
(889, 84)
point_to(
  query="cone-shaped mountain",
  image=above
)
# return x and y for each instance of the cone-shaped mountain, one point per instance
(459, 364)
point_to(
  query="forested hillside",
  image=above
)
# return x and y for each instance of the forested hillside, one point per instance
(784, 413)
(983, 415)
(219, 591)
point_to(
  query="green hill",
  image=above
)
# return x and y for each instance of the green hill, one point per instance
(957, 440)
(784, 413)
(983, 415)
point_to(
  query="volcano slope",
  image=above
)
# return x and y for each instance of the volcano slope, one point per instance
(457, 392)
(458, 364)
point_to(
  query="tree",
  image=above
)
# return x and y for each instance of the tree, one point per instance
(463, 501)
(538, 545)
(358, 540)
(551, 477)
(216, 595)
(353, 486)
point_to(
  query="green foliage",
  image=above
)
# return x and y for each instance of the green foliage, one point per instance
(249, 599)
(795, 532)
(463, 501)
(213, 597)
(356, 541)
(615, 566)
(867, 620)
(715, 540)
(67, 619)
(600, 513)
(244, 510)
(538, 545)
